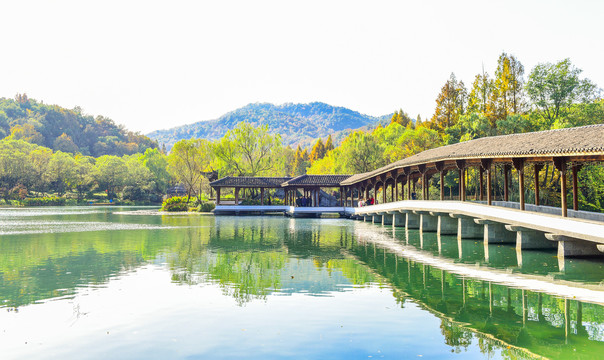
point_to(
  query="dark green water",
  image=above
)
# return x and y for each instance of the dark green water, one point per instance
(104, 283)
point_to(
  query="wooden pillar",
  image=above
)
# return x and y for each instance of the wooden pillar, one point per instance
(261, 196)
(366, 191)
(217, 196)
(341, 200)
(576, 168)
(392, 199)
(560, 164)
(461, 166)
(519, 166)
(236, 196)
(481, 183)
(506, 183)
(396, 195)
(538, 168)
(485, 166)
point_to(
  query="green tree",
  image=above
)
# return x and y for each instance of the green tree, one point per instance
(110, 172)
(247, 151)
(61, 172)
(554, 88)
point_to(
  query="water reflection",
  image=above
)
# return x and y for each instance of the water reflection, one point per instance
(254, 258)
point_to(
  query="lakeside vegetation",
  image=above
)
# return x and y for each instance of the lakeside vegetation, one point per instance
(105, 162)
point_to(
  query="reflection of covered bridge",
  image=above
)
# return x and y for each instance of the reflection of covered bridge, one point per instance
(493, 161)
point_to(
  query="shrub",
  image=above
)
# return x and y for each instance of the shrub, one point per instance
(176, 203)
(206, 206)
(44, 201)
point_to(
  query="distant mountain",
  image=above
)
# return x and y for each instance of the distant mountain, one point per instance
(297, 123)
(67, 130)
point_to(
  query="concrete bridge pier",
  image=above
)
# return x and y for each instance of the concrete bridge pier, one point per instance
(367, 218)
(427, 222)
(376, 218)
(412, 220)
(529, 239)
(573, 247)
(445, 224)
(386, 218)
(398, 219)
(495, 233)
(467, 228)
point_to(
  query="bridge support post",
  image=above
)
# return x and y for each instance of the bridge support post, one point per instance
(445, 224)
(427, 222)
(386, 218)
(398, 219)
(368, 218)
(572, 247)
(411, 220)
(495, 233)
(467, 228)
(376, 219)
(529, 238)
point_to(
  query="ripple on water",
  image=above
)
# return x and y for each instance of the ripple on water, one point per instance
(13, 227)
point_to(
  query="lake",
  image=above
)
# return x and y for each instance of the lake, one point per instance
(110, 282)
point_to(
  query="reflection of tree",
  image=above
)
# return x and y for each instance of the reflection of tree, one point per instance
(455, 335)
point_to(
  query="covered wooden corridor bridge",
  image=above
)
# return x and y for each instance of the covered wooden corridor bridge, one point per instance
(492, 160)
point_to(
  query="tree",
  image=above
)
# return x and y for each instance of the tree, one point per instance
(110, 172)
(450, 104)
(157, 163)
(553, 88)
(83, 178)
(301, 162)
(480, 93)
(400, 117)
(329, 144)
(361, 153)
(61, 172)
(318, 151)
(65, 143)
(509, 85)
(247, 150)
(184, 165)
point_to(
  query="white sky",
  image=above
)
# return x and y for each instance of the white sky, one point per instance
(158, 64)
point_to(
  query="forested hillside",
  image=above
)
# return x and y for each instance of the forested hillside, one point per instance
(297, 123)
(67, 130)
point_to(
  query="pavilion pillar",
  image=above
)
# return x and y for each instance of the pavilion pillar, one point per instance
(461, 165)
(481, 183)
(341, 199)
(506, 183)
(576, 168)
(519, 166)
(440, 166)
(485, 166)
(409, 187)
(392, 199)
(537, 168)
(236, 196)
(217, 196)
(424, 172)
(366, 191)
(396, 188)
(560, 164)
(261, 196)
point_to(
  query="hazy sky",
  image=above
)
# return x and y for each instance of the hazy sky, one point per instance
(157, 64)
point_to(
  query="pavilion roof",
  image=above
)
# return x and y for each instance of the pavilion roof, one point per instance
(249, 181)
(317, 180)
(579, 141)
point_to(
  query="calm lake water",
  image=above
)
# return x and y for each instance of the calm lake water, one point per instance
(98, 283)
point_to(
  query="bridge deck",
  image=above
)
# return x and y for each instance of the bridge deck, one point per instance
(571, 227)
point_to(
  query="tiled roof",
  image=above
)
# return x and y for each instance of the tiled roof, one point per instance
(586, 140)
(248, 181)
(317, 180)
